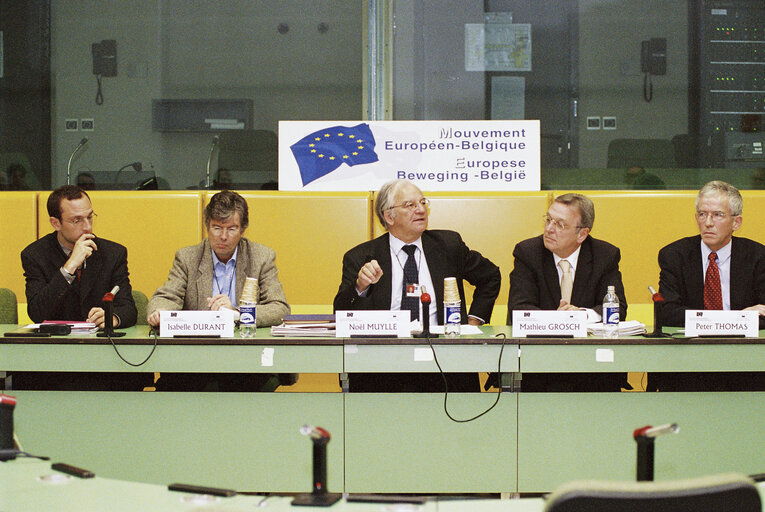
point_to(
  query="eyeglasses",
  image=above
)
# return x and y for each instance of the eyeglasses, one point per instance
(716, 216)
(76, 221)
(412, 205)
(557, 224)
(218, 230)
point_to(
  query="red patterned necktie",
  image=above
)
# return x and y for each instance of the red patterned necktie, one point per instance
(712, 288)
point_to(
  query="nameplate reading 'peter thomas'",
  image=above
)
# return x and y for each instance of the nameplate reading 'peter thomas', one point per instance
(196, 323)
(721, 323)
(549, 323)
(394, 324)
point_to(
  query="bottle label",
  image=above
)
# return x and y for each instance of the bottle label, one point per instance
(453, 314)
(611, 315)
(247, 315)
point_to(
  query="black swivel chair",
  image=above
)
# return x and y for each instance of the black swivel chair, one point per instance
(729, 492)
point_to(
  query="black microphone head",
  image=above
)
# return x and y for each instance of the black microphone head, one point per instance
(84, 141)
(138, 166)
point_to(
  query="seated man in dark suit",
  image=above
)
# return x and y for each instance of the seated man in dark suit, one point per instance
(67, 274)
(712, 270)
(566, 269)
(373, 278)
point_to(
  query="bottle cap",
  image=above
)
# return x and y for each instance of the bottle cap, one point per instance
(451, 293)
(250, 290)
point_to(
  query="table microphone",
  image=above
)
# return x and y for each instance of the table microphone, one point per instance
(658, 304)
(215, 141)
(71, 157)
(7, 404)
(425, 299)
(108, 301)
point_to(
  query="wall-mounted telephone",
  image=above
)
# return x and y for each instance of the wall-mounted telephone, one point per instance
(653, 61)
(105, 57)
(653, 56)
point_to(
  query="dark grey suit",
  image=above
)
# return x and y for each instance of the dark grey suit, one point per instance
(534, 284)
(447, 256)
(681, 283)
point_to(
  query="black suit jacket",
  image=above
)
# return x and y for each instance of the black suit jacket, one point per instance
(681, 280)
(447, 256)
(534, 280)
(51, 297)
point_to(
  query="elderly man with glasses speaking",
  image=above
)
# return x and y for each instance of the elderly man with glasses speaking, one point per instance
(376, 274)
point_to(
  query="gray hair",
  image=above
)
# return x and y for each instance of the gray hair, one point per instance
(583, 204)
(223, 205)
(735, 202)
(385, 197)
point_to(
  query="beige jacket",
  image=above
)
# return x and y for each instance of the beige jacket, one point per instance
(191, 281)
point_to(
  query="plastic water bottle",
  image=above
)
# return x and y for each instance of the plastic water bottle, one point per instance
(611, 314)
(247, 318)
(452, 318)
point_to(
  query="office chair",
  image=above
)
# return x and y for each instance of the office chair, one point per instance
(246, 159)
(646, 153)
(9, 313)
(717, 493)
(140, 304)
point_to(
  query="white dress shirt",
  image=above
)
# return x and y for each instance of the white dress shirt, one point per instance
(723, 263)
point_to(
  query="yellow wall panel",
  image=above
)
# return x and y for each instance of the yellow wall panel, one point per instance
(754, 215)
(310, 232)
(490, 223)
(151, 224)
(18, 228)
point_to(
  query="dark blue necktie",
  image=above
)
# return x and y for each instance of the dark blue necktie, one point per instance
(411, 276)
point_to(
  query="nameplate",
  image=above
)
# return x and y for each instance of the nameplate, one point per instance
(196, 323)
(721, 323)
(549, 323)
(372, 323)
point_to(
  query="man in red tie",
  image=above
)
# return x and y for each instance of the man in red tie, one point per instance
(713, 270)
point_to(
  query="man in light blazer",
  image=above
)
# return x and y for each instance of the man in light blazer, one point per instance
(211, 274)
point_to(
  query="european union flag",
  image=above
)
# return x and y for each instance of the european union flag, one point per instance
(321, 152)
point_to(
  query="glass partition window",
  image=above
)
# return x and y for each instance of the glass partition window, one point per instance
(188, 93)
(630, 94)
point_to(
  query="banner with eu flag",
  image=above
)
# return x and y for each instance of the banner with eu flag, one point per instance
(321, 152)
(462, 156)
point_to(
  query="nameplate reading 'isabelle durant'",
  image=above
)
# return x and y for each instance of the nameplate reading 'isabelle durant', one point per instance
(356, 324)
(196, 323)
(435, 155)
(549, 323)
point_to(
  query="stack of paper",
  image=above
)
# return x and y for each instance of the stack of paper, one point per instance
(77, 327)
(631, 328)
(306, 325)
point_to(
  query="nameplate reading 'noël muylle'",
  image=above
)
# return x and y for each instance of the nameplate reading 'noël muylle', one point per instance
(196, 323)
(721, 323)
(372, 323)
(549, 323)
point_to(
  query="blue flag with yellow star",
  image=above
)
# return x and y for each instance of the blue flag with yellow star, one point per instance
(323, 151)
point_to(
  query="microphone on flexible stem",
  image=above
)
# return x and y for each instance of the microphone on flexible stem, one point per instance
(425, 299)
(215, 141)
(319, 497)
(108, 301)
(645, 437)
(658, 304)
(71, 157)
(137, 167)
